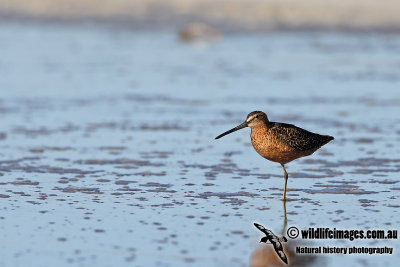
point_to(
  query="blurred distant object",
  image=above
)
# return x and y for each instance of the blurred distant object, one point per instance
(199, 33)
(227, 14)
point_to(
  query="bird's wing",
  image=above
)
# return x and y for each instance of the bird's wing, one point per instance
(279, 250)
(298, 138)
(261, 228)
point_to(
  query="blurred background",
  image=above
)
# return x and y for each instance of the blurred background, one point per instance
(109, 110)
(235, 15)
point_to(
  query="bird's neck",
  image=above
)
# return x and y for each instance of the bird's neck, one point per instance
(261, 126)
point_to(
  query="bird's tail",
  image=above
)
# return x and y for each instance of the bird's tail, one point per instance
(326, 139)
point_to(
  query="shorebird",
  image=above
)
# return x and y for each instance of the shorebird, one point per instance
(280, 142)
(275, 241)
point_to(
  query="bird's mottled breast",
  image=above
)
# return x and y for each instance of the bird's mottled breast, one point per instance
(265, 141)
(269, 146)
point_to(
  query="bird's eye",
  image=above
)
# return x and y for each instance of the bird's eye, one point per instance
(256, 116)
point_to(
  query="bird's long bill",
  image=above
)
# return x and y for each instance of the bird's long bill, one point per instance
(241, 126)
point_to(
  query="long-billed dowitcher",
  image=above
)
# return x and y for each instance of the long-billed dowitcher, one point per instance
(280, 142)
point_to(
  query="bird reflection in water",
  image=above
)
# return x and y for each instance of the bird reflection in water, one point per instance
(264, 254)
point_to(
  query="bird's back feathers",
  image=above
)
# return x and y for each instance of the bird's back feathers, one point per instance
(298, 138)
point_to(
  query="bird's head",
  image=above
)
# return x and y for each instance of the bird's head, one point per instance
(264, 240)
(254, 119)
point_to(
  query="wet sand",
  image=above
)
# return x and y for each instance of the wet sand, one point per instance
(108, 157)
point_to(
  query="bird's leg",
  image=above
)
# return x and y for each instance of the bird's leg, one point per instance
(286, 178)
(284, 219)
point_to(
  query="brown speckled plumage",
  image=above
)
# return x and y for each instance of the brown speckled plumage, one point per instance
(280, 142)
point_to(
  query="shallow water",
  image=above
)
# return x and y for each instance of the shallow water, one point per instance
(108, 155)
